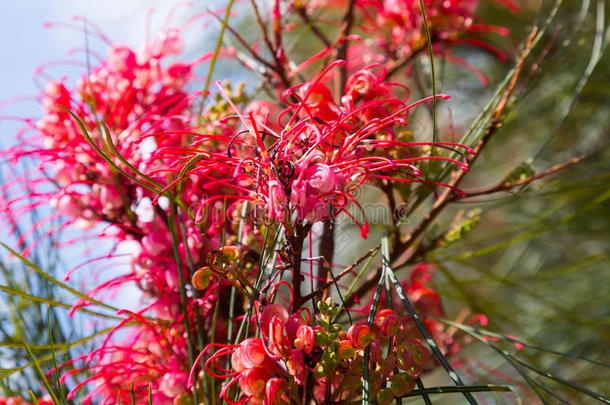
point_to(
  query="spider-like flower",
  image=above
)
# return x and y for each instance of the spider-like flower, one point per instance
(308, 166)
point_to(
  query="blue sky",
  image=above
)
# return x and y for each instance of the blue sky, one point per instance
(25, 44)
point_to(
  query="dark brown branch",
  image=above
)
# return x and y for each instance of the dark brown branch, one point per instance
(326, 249)
(343, 46)
(243, 42)
(275, 67)
(399, 64)
(339, 276)
(295, 243)
(300, 9)
(505, 185)
(263, 27)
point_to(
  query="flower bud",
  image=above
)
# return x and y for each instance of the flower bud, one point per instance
(276, 336)
(388, 366)
(360, 335)
(384, 397)
(401, 384)
(404, 359)
(305, 338)
(414, 371)
(387, 322)
(376, 351)
(296, 365)
(292, 325)
(345, 350)
(201, 278)
(321, 178)
(274, 389)
(236, 361)
(230, 253)
(421, 353)
(270, 311)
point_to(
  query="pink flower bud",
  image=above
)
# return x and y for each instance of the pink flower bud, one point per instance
(376, 354)
(67, 204)
(277, 200)
(404, 359)
(269, 312)
(122, 60)
(420, 352)
(173, 383)
(276, 336)
(360, 84)
(236, 361)
(305, 338)
(292, 325)
(321, 178)
(155, 243)
(296, 365)
(110, 198)
(415, 371)
(388, 365)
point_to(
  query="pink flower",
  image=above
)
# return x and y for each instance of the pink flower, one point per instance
(320, 178)
(277, 201)
(252, 352)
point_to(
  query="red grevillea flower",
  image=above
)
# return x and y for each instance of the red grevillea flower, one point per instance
(130, 104)
(393, 30)
(149, 355)
(309, 169)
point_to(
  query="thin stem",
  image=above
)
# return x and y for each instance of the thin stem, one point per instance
(174, 236)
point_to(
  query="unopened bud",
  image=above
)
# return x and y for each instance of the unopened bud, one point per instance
(201, 278)
(401, 384)
(384, 397)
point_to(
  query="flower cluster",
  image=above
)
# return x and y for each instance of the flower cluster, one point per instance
(392, 32)
(296, 349)
(322, 151)
(291, 350)
(46, 400)
(95, 145)
(218, 197)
